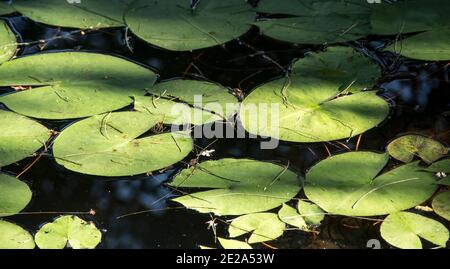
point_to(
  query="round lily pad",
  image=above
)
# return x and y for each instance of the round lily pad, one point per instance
(13, 236)
(20, 137)
(404, 230)
(352, 184)
(322, 100)
(290, 215)
(69, 85)
(312, 214)
(406, 147)
(174, 25)
(68, 231)
(82, 14)
(238, 186)
(111, 145)
(8, 44)
(441, 205)
(14, 195)
(262, 226)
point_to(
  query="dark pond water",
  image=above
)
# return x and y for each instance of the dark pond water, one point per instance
(418, 91)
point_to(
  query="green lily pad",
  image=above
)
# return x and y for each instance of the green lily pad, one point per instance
(173, 25)
(188, 101)
(406, 147)
(82, 14)
(20, 137)
(72, 84)
(233, 244)
(322, 100)
(239, 186)
(440, 166)
(441, 205)
(312, 214)
(8, 44)
(262, 226)
(404, 230)
(316, 22)
(110, 145)
(5, 8)
(13, 236)
(350, 184)
(68, 231)
(14, 195)
(290, 215)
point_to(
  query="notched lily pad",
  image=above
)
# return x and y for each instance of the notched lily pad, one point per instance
(262, 227)
(352, 184)
(14, 195)
(441, 205)
(111, 145)
(290, 215)
(404, 230)
(13, 236)
(68, 231)
(312, 214)
(238, 186)
(8, 44)
(405, 148)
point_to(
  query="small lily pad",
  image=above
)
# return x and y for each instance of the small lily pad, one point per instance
(14, 195)
(350, 184)
(441, 205)
(312, 214)
(68, 231)
(13, 236)
(239, 186)
(406, 147)
(233, 244)
(20, 137)
(290, 215)
(111, 145)
(8, 44)
(404, 230)
(262, 226)
(68, 85)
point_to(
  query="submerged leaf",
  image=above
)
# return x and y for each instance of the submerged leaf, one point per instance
(8, 44)
(68, 231)
(20, 137)
(233, 244)
(262, 226)
(72, 84)
(441, 205)
(404, 230)
(110, 145)
(13, 236)
(350, 184)
(290, 215)
(14, 195)
(239, 186)
(405, 148)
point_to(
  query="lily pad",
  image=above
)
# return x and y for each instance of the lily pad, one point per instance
(8, 44)
(72, 84)
(111, 145)
(406, 147)
(14, 195)
(82, 14)
(322, 100)
(239, 186)
(173, 25)
(14, 237)
(312, 214)
(262, 226)
(68, 231)
(442, 166)
(441, 205)
(290, 215)
(5, 8)
(233, 244)
(188, 101)
(316, 22)
(20, 137)
(404, 230)
(350, 184)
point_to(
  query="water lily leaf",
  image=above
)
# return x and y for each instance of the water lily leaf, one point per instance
(68, 231)
(5, 8)
(350, 184)
(318, 22)
(75, 14)
(406, 147)
(290, 215)
(322, 100)
(239, 186)
(20, 137)
(404, 230)
(72, 84)
(440, 166)
(188, 101)
(173, 25)
(262, 226)
(14, 237)
(110, 145)
(8, 44)
(312, 214)
(233, 244)
(441, 205)
(14, 195)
